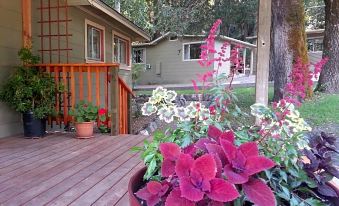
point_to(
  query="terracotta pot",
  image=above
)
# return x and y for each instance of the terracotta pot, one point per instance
(135, 183)
(84, 130)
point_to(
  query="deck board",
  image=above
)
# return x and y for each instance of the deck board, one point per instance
(62, 170)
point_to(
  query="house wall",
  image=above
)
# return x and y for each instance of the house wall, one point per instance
(224, 69)
(76, 27)
(10, 43)
(169, 56)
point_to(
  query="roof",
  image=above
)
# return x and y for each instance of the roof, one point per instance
(219, 37)
(100, 5)
(308, 33)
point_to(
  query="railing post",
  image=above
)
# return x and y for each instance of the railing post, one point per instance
(129, 113)
(115, 101)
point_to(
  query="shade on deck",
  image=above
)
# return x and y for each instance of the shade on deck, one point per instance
(62, 170)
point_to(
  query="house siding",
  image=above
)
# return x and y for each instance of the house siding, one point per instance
(10, 43)
(76, 27)
(168, 54)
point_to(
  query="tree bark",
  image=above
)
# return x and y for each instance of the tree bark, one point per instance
(288, 42)
(329, 76)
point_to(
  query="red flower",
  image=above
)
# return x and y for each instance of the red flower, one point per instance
(197, 178)
(102, 111)
(153, 192)
(244, 161)
(170, 152)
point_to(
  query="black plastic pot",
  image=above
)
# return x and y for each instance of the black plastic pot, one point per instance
(33, 127)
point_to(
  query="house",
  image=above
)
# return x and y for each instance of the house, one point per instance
(314, 44)
(173, 59)
(79, 42)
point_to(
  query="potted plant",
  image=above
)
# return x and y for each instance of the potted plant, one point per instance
(208, 160)
(30, 92)
(84, 113)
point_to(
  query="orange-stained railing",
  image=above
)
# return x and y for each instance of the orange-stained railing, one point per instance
(91, 82)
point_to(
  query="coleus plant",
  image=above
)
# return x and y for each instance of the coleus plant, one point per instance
(211, 171)
(323, 162)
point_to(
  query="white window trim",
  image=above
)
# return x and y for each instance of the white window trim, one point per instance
(124, 37)
(144, 54)
(91, 23)
(183, 51)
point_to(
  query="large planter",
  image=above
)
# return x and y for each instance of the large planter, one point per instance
(135, 183)
(33, 127)
(84, 130)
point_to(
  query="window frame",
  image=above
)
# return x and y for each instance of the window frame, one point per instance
(102, 42)
(144, 54)
(128, 48)
(314, 39)
(189, 43)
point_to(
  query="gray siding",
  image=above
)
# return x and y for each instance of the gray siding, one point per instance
(10, 43)
(168, 54)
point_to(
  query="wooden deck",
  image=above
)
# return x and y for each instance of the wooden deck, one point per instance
(62, 170)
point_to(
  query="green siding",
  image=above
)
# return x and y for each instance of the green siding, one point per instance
(10, 43)
(173, 69)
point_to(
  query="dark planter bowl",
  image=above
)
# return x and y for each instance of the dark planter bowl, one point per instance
(33, 127)
(135, 183)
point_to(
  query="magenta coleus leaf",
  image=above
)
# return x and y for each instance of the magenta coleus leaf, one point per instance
(175, 199)
(249, 149)
(217, 150)
(229, 149)
(190, 191)
(255, 164)
(235, 177)
(167, 168)
(243, 161)
(152, 193)
(228, 135)
(222, 191)
(170, 150)
(259, 193)
(183, 165)
(216, 134)
(206, 166)
(201, 144)
(213, 132)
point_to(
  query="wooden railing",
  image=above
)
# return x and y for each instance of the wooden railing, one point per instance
(96, 83)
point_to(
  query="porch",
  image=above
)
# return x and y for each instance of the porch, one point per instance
(62, 170)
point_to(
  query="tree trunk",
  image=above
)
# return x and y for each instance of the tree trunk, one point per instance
(329, 76)
(288, 41)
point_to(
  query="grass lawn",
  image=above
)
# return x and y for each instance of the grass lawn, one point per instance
(321, 109)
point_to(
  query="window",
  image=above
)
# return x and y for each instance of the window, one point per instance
(315, 45)
(139, 56)
(95, 42)
(120, 50)
(192, 51)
